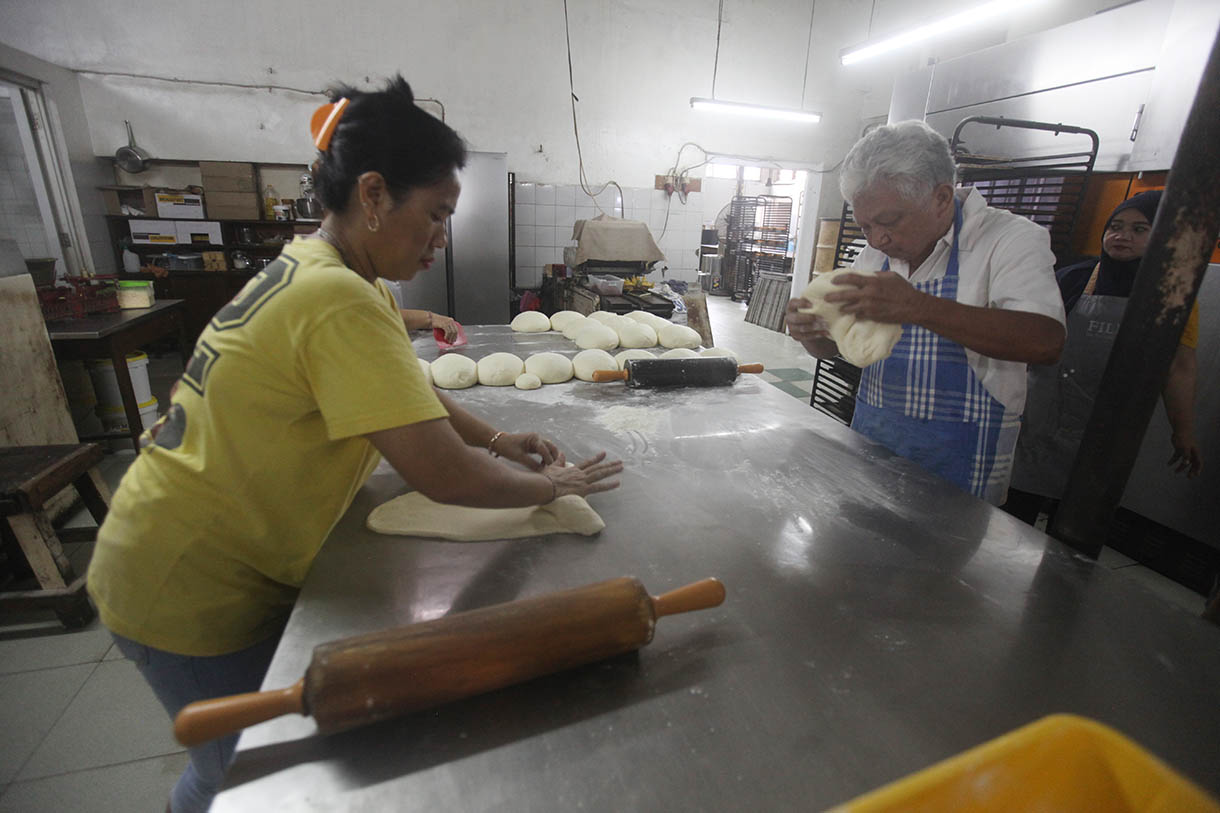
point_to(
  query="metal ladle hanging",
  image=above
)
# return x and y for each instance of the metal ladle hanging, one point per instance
(131, 158)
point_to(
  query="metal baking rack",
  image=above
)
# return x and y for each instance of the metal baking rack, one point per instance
(756, 242)
(1048, 188)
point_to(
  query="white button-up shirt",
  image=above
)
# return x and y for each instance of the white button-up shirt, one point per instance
(1004, 261)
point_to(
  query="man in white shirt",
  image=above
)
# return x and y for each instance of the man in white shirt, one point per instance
(974, 289)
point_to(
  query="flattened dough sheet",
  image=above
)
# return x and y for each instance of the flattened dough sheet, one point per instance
(413, 514)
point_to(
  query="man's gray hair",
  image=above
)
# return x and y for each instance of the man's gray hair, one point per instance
(909, 156)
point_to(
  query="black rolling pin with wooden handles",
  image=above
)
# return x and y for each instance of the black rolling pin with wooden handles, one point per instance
(372, 677)
(716, 371)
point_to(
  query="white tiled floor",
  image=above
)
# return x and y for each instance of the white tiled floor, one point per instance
(80, 730)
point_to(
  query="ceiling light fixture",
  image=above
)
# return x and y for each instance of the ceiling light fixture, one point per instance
(758, 110)
(969, 17)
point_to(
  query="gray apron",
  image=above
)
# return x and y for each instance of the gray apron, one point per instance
(1060, 396)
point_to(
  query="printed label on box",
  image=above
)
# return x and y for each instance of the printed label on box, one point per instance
(153, 232)
(196, 232)
(179, 205)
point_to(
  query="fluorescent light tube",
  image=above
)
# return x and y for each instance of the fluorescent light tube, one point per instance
(758, 110)
(962, 19)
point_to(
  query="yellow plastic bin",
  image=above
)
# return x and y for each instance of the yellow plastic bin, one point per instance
(1061, 763)
(106, 386)
(114, 418)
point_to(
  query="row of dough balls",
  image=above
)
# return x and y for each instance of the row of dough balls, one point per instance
(602, 330)
(456, 372)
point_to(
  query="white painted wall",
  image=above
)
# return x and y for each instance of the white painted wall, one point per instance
(500, 69)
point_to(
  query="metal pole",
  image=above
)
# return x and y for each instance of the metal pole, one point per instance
(1161, 299)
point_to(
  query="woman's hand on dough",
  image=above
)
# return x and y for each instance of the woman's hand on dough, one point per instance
(446, 324)
(587, 478)
(529, 449)
(885, 297)
(809, 329)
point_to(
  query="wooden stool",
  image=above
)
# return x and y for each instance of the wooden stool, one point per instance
(29, 477)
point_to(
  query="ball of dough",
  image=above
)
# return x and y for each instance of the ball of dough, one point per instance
(499, 369)
(679, 336)
(650, 319)
(596, 336)
(527, 381)
(622, 358)
(560, 319)
(551, 368)
(718, 351)
(605, 317)
(680, 353)
(861, 341)
(635, 334)
(427, 368)
(573, 327)
(454, 372)
(587, 361)
(530, 322)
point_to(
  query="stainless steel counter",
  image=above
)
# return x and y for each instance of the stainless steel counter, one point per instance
(877, 620)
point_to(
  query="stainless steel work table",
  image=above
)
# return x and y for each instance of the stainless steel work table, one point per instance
(877, 620)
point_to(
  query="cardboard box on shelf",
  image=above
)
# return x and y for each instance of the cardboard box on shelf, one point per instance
(214, 261)
(154, 232)
(179, 205)
(199, 232)
(234, 205)
(227, 176)
(129, 200)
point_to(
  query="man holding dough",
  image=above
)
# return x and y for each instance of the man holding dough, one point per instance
(973, 289)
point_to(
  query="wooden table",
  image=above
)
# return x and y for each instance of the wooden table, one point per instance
(113, 336)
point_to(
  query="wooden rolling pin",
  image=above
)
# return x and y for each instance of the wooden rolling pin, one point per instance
(372, 677)
(698, 372)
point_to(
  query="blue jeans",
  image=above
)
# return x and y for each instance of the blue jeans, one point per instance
(181, 679)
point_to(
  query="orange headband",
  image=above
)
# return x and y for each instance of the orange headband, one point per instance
(324, 121)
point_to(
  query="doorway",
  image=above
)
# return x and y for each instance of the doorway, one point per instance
(39, 219)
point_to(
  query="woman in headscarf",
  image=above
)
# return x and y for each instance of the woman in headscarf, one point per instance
(1061, 396)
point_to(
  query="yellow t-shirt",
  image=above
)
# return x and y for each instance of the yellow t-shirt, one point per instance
(215, 525)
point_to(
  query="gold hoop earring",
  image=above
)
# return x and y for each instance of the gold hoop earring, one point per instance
(373, 223)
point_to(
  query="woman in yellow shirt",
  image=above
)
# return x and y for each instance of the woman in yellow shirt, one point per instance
(293, 389)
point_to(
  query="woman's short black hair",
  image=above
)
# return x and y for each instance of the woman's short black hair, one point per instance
(384, 131)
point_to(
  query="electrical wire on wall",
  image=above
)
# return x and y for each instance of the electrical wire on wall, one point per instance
(680, 181)
(580, 161)
(242, 85)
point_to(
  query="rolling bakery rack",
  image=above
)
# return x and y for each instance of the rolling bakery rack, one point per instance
(756, 242)
(1046, 188)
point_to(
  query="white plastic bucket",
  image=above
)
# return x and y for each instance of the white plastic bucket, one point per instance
(106, 386)
(114, 419)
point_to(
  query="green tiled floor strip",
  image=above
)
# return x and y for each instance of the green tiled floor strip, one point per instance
(791, 374)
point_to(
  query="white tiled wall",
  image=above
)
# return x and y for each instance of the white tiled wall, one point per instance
(545, 214)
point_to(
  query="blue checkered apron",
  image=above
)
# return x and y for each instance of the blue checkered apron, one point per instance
(925, 403)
